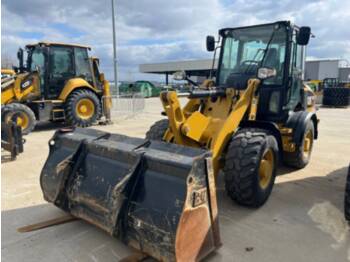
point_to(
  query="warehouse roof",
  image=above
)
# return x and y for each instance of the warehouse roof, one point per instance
(192, 67)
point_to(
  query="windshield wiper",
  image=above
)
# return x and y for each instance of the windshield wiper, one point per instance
(264, 50)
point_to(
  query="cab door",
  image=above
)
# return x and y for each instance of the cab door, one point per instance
(61, 69)
(296, 70)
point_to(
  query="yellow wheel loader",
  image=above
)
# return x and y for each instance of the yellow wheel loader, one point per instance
(58, 83)
(158, 194)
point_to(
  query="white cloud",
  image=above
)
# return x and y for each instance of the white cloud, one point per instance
(158, 30)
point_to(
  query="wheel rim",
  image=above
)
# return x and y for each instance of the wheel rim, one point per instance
(266, 168)
(22, 120)
(85, 108)
(307, 144)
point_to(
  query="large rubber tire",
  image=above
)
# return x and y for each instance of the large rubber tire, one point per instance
(157, 130)
(243, 163)
(347, 197)
(302, 154)
(25, 116)
(78, 118)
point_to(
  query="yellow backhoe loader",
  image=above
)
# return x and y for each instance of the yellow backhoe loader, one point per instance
(158, 194)
(59, 82)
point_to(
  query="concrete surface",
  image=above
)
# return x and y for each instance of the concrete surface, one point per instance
(302, 221)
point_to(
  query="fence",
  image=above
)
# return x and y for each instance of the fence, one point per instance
(126, 105)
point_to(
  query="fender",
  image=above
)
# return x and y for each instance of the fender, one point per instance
(270, 126)
(298, 122)
(72, 85)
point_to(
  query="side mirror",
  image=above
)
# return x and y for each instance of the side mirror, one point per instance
(20, 58)
(20, 54)
(264, 73)
(210, 43)
(303, 35)
(179, 75)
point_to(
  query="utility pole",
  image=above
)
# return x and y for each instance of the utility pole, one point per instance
(115, 64)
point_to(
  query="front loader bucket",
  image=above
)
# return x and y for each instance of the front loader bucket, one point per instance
(156, 197)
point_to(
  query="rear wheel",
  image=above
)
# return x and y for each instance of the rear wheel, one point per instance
(301, 156)
(250, 166)
(157, 130)
(25, 116)
(83, 108)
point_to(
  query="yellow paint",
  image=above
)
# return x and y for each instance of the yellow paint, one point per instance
(287, 143)
(211, 127)
(72, 85)
(23, 121)
(267, 163)
(85, 108)
(308, 140)
(14, 92)
(107, 100)
(195, 126)
(8, 72)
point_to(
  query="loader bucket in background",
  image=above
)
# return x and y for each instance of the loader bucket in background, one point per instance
(156, 197)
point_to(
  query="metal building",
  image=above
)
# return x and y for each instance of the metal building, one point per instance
(344, 74)
(197, 68)
(314, 69)
(321, 69)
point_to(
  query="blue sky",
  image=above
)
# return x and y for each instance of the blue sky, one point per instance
(158, 30)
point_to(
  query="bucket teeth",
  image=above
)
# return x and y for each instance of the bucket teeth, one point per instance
(154, 196)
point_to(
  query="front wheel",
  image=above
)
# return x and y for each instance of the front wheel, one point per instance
(250, 166)
(157, 130)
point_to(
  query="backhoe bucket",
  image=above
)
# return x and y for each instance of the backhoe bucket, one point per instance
(156, 197)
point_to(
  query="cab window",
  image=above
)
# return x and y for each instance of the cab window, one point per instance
(82, 63)
(38, 63)
(61, 62)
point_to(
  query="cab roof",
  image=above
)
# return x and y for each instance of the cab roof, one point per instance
(285, 23)
(58, 44)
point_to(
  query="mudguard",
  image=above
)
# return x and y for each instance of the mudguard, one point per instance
(298, 122)
(156, 197)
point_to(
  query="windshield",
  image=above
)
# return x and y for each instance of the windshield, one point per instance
(244, 52)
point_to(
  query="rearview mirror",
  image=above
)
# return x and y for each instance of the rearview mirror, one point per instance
(303, 35)
(20, 54)
(264, 73)
(210, 43)
(20, 58)
(179, 75)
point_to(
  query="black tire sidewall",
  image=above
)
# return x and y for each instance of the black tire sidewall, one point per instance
(157, 130)
(12, 109)
(242, 163)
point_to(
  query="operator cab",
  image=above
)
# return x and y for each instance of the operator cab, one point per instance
(272, 52)
(57, 63)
